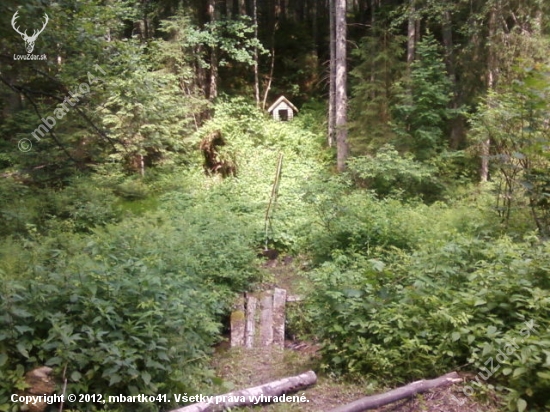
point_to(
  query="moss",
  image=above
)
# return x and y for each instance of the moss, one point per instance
(237, 315)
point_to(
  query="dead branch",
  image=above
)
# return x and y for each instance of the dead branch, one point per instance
(407, 391)
(251, 395)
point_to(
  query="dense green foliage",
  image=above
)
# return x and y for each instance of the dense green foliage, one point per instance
(131, 308)
(422, 108)
(133, 304)
(412, 290)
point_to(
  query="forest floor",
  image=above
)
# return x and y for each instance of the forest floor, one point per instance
(244, 368)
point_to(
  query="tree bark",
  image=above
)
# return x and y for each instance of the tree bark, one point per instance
(314, 28)
(342, 148)
(332, 77)
(456, 123)
(491, 66)
(256, 74)
(229, 8)
(213, 89)
(411, 35)
(242, 7)
(270, 79)
(373, 34)
(251, 395)
(376, 401)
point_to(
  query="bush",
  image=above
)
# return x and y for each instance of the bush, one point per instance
(20, 207)
(81, 206)
(451, 302)
(388, 173)
(133, 308)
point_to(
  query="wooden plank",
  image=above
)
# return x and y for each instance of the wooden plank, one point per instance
(238, 323)
(251, 304)
(279, 302)
(266, 320)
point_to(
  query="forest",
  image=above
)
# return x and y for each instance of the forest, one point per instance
(405, 195)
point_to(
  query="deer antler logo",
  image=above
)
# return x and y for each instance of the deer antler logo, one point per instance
(29, 40)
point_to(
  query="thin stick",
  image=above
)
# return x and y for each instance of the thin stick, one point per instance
(64, 388)
(273, 195)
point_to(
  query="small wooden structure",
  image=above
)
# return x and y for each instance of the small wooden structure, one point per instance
(282, 110)
(259, 321)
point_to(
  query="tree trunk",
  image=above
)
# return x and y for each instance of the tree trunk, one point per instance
(141, 166)
(340, 108)
(373, 34)
(457, 123)
(257, 395)
(284, 9)
(376, 401)
(242, 7)
(486, 144)
(213, 88)
(256, 74)
(229, 8)
(411, 34)
(332, 77)
(274, 26)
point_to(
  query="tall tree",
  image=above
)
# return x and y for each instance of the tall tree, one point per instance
(242, 7)
(332, 76)
(411, 34)
(256, 57)
(342, 148)
(457, 122)
(213, 89)
(491, 73)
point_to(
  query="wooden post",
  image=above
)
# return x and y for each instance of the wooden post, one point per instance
(250, 321)
(238, 324)
(279, 302)
(266, 320)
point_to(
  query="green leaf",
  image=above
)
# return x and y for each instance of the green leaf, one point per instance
(163, 356)
(455, 336)
(21, 313)
(544, 375)
(114, 379)
(22, 350)
(146, 377)
(487, 348)
(353, 293)
(56, 360)
(23, 328)
(522, 405)
(377, 265)
(75, 376)
(519, 371)
(491, 331)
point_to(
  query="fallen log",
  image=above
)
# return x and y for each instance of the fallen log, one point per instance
(252, 396)
(407, 391)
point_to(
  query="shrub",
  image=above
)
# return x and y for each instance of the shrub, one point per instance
(388, 173)
(133, 308)
(451, 302)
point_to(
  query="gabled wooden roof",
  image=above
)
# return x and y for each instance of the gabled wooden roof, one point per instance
(279, 101)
